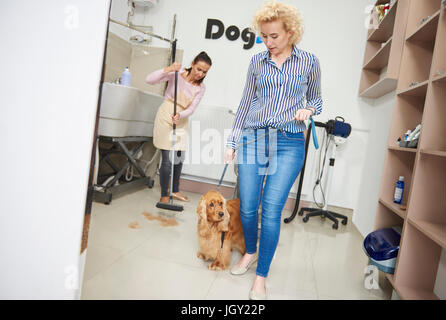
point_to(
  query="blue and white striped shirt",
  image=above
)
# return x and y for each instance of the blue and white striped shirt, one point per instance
(272, 96)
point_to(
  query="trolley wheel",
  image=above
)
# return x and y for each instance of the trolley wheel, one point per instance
(335, 226)
(108, 201)
(305, 219)
(301, 212)
(150, 183)
(108, 197)
(344, 222)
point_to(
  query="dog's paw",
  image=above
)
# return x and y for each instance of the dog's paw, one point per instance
(217, 266)
(201, 256)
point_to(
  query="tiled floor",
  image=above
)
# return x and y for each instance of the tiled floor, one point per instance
(312, 260)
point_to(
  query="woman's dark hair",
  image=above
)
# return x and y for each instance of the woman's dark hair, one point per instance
(202, 56)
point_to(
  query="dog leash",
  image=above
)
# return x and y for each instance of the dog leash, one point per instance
(222, 239)
(316, 145)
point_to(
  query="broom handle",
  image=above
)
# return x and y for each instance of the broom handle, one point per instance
(174, 49)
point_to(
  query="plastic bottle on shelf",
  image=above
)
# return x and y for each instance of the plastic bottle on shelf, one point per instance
(407, 135)
(399, 190)
(125, 77)
(414, 132)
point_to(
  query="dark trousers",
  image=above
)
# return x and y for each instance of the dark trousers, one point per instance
(166, 167)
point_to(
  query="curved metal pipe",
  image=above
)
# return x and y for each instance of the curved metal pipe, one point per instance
(140, 30)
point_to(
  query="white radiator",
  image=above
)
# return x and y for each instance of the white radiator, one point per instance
(208, 128)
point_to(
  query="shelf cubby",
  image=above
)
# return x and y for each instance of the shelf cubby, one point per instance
(420, 12)
(417, 59)
(428, 197)
(420, 36)
(388, 220)
(385, 27)
(426, 32)
(407, 114)
(434, 138)
(397, 164)
(438, 60)
(382, 55)
(380, 59)
(420, 257)
(372, 49)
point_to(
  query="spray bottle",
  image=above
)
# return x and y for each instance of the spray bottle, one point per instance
(125, 77)
(399, 190)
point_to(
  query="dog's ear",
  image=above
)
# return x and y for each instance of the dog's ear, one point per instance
(203, 226)
(201, 207)
(224, 224)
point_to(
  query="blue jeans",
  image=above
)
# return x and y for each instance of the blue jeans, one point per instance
(276, 160)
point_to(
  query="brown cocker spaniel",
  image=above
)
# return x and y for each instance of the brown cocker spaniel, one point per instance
(215, 215)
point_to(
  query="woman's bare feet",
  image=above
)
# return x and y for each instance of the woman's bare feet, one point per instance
(164, 199)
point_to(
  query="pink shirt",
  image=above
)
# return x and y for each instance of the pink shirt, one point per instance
(189, 90)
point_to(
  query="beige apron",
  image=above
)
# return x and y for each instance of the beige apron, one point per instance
(163, 127)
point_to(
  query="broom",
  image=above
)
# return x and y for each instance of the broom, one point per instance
(170, 205)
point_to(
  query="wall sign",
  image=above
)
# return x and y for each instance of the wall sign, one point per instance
(215, 30)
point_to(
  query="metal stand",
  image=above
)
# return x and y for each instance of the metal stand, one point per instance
(324, 212)
(109, 189)
(316, 211)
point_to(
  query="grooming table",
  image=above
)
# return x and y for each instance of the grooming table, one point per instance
(109, 190)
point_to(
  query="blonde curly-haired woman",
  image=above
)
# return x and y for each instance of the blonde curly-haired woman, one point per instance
(283, 84)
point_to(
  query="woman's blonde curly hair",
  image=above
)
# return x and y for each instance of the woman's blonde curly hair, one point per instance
(289, 15)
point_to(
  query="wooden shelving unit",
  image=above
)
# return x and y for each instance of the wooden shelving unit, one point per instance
(421, 98)
(383, 52)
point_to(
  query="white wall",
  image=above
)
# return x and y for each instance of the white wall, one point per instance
(52, 56)
(367, 201)
(119, 10)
